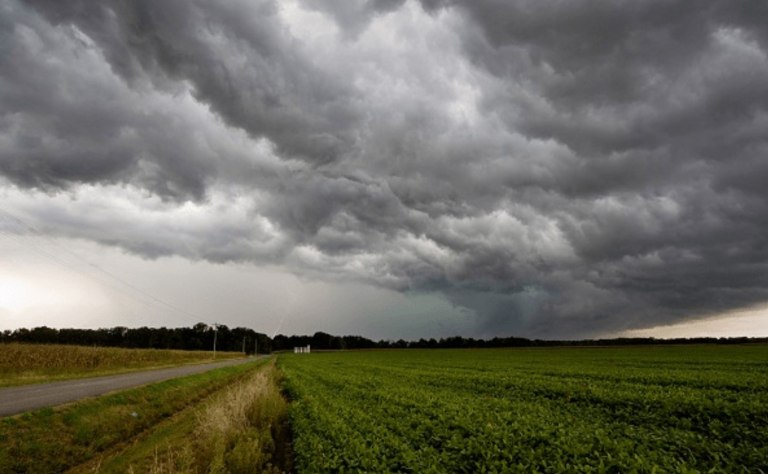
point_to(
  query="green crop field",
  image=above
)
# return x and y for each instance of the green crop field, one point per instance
(626, 409)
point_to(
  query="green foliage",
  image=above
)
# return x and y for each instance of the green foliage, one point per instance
(240, 429)
(53, 440)
(649, 409)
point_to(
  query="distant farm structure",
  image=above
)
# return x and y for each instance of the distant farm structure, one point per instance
(301, 349)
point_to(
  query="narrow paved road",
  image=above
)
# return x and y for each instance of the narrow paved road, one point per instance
(14, 400)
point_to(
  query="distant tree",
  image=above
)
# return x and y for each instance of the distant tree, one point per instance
(200, 337)
(44, 335)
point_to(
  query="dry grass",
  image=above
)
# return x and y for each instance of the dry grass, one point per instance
(55, 440)
(27, 363)
(242, 430)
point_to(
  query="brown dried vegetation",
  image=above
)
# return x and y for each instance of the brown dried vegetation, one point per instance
(29, 363)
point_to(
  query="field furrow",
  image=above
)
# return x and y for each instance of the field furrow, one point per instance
(673, 409)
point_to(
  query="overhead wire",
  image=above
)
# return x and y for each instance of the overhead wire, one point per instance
(55, 259)
(110, 275)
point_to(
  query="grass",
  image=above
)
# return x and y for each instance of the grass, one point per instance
(626, 409)
(245, 429)
(32, 363)
(241, 429)
(619, 409)
(53, 440)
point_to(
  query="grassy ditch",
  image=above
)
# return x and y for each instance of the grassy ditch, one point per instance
(53, 440)
(31, 363)
(241, 429)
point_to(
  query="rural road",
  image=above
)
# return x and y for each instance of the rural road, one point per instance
(14, 400)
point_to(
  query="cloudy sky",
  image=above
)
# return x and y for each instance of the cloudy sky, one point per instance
(390, 168)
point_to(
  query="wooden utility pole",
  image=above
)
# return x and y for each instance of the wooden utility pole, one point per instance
(215, 333)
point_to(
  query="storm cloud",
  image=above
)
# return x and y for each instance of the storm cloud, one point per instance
(559, 169)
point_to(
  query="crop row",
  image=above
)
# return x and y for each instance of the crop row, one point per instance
(25, 363)
(19, 357)
(545, 410)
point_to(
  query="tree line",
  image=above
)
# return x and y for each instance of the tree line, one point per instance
(201, 337)
(198, 337)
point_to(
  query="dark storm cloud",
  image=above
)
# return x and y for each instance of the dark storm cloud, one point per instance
(624, 76)
(353, 17)
(237, 58)
(560, 168)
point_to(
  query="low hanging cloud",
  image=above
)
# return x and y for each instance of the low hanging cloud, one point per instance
(559, 169)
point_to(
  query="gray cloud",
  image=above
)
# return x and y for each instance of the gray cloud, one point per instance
(354, 17)
(560, 169)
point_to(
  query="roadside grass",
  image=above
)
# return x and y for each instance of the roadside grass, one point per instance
(33, 363)
(53, 440)
(240, 429)
(148, 450)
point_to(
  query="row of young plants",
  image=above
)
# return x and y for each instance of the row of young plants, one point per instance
(659, 409)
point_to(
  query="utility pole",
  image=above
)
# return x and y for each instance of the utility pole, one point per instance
(215, 333)
(243, 345)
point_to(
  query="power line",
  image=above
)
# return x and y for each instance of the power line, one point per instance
(101, 270)
(66, 265)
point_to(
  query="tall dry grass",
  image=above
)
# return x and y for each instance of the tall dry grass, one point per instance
(243, 430)
(21, 363)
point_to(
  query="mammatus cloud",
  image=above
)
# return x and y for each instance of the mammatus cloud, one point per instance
(559, 169)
